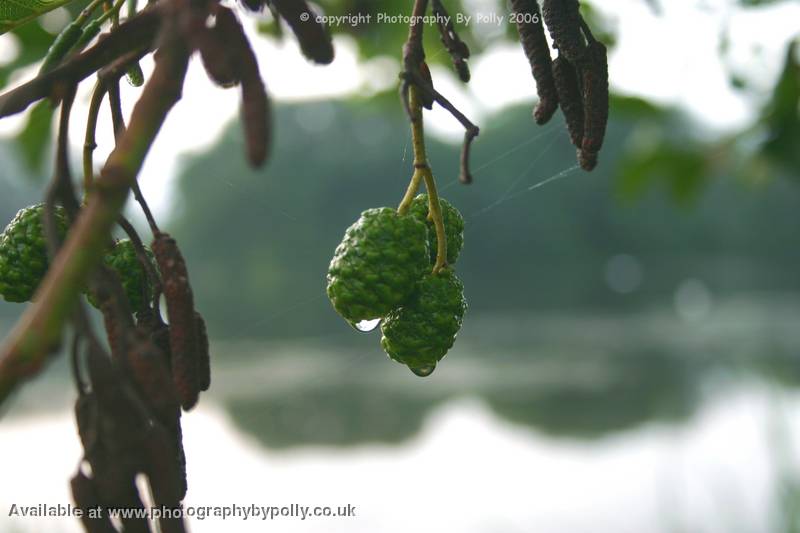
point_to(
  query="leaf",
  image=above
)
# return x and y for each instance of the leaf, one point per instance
(781, 116)
(15, 13)
(35, 137)
(33, 44)
(684, 169)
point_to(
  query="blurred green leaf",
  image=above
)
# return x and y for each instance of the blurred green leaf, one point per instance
(33, 42)
(34, 139)
(782, 115)
(15, 13)
(633, 106)
(682, 169)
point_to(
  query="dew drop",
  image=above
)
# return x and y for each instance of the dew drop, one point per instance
(422, 371)
(367, 325)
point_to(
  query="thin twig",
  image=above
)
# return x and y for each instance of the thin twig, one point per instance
(471, 130)
(413, 56)
(458, 49)
(118, 120)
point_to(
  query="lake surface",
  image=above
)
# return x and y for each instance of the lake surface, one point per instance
(654, 422)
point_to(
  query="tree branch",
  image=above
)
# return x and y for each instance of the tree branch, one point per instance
(136, 33)
(38, 332)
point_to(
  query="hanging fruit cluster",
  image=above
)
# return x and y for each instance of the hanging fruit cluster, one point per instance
(382, 271)
(396, 267)
(576, 81)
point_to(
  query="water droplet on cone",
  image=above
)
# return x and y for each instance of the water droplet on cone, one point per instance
(422, 371)
(367, 325)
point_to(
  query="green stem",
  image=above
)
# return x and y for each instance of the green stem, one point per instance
(435, 213)
(113, 12)
(89, 143)
(422, 171)
(418, 145)
(88, 10)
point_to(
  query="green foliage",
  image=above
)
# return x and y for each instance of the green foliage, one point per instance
(14, 13)
(781, 117)
(683, 170)
(33, 43)
(34, 139)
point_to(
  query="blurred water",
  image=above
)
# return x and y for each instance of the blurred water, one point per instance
(658, 421)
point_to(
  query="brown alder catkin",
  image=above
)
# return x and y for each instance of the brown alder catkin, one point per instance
(203, 354)
(534, 43)
(216, 57)
(595, 102)
(180, 313)
(314, 38)
(569, 97)
(85, 496)
(151, 376)
(563, 21)
(256, 109)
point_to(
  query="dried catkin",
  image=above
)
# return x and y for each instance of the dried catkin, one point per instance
(216, 57)
(165, 472)
(86, 418)
(256, 109)
(534, 43)
(595, 102)
(563, 21)
(116, 457)
(182, 323)
(570, 98)
(314, 38)
(203, 354)
(150, 324)
(150, 374)
(85, 496)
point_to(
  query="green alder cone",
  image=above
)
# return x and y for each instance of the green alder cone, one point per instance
(419, 333)
(453, 226)
(23, 252)
(376, 266)
(121, 258)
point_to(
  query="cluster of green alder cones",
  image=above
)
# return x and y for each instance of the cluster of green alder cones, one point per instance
(382, 271)
(24, 262)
